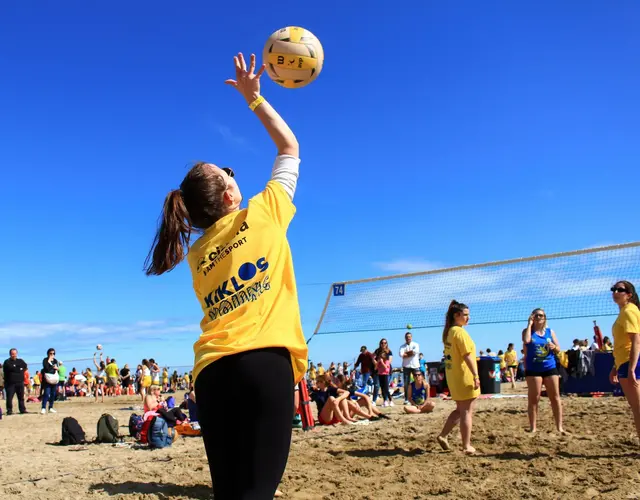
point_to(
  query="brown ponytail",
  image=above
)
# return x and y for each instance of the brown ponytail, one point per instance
(196, 206)
(172, 238)
(454, 308)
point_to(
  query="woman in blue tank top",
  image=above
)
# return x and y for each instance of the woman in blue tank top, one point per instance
(540, 348)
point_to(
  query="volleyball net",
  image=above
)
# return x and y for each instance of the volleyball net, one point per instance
(566, 285)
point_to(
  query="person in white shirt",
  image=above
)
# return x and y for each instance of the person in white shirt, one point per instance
(409, 352)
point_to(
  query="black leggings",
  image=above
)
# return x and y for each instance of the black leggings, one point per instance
(171, 416)
(384, 387)
(247, 447)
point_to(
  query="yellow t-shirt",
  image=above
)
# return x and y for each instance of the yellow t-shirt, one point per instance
(321, 370)
(628, 321)
(243, 277)
(503, 364)
(111, 370)
(312, 374)
(511, 358)
(459, 377)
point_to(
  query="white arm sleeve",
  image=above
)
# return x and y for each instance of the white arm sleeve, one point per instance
(285, 171)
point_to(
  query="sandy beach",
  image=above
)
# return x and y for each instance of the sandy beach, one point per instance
(386, 459)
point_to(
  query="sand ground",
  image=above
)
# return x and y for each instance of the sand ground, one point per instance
(387, 459)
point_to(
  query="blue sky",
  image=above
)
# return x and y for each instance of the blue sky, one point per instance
(436, 135)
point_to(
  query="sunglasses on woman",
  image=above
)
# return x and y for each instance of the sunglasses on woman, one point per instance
(618, 289)
(229, 171)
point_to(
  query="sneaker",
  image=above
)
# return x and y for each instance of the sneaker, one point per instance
(43, 412)
(51, 410)
(406, 403)
(385, 404)
(391, 403)
(373, 403)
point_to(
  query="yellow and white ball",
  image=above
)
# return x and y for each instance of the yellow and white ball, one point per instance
(294, 57)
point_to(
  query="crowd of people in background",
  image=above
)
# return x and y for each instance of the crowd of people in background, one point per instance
(53, 382)
(347, 393)
(343, 391)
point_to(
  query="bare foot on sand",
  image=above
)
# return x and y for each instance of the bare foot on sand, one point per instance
(469, 451)
(444, 444)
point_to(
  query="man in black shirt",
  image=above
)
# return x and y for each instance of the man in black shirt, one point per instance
(14, 369)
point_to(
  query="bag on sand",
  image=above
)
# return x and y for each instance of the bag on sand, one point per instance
(72, 433)
(158, 436)
(107, 431)
(135, 425)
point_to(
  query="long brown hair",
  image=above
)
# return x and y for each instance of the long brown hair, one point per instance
(454, 308)
(631, 290)
(196, 206)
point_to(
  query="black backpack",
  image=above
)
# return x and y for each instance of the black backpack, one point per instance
(107, 431)
(72, 433)
(135, 425)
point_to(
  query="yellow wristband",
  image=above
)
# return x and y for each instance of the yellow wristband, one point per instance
(256, 103)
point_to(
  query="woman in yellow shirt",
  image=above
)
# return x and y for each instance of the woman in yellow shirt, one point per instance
(511, 360)
(243, 277)
(626, 346)
(462, 375)
(606, 345)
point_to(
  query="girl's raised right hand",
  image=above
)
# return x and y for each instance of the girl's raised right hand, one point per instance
(247, 82)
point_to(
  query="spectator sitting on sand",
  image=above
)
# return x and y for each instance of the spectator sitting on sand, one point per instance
(419, 395)
(155, 402)
(359, 403)
(329, 401)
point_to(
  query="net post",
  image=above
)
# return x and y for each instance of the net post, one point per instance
(324, 311)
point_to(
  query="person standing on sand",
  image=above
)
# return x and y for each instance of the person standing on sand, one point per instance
(243, 277)
(409, 352)
(626, 351)
(540, 347)
(367, 361)
(50, 380)
(462, 375)
(511, 360)
(13, 369)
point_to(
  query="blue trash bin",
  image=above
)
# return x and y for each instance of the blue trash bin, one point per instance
(489, 373)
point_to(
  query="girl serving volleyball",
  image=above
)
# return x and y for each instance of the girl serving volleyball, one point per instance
(244, 280)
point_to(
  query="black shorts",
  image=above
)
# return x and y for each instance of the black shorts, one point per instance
(548, 373)
(515, 367)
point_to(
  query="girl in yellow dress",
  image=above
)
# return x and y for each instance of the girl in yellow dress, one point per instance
(462, 375)
(626, 346)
